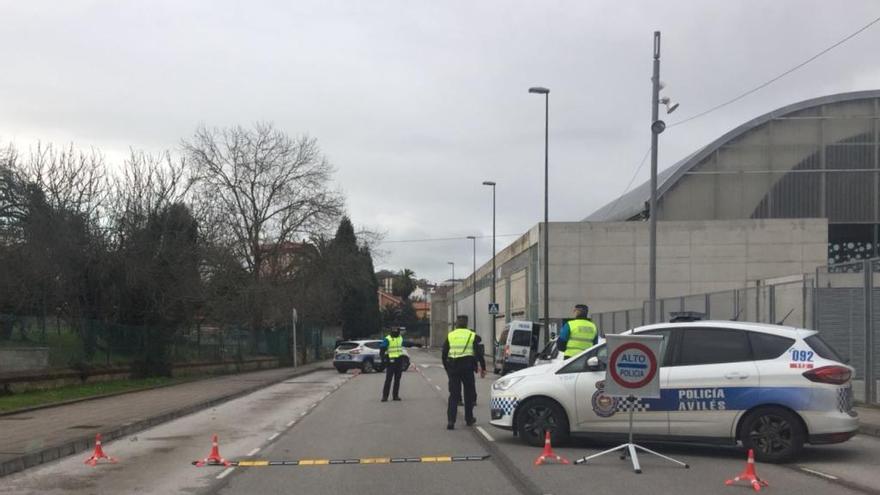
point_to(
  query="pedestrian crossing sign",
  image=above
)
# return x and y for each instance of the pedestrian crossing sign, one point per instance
(493, 308)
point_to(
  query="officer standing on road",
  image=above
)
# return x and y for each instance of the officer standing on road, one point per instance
(390, 350)
(459, 359)
(578, 334)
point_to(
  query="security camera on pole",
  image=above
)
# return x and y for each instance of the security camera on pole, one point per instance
(633, 373)
(657, 127)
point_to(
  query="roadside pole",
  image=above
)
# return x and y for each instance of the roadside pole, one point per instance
(293, 326)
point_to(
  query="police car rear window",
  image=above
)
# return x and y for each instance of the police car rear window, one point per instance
(346, 346)
(822, 348)
(521, 338)
(372, 345)
(766, 346)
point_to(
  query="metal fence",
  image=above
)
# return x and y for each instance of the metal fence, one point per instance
(842, 302)
(90, 343)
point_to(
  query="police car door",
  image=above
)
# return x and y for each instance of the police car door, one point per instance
(712, 371)
(601, 413)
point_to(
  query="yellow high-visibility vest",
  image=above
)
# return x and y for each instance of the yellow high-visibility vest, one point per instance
(395, 347)
(461, 343)
(582, 333)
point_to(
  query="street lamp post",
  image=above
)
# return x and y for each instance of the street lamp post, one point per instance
(453, 292)
(546, 93)
(492, 316)
(474, 280)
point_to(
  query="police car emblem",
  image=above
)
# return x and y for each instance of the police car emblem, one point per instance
(603, 405)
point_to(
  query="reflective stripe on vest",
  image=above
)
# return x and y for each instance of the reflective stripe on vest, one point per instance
(395, 346)
(461, 343)
(582, 334)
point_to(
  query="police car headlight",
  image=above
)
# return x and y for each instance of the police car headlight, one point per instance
(506, 383)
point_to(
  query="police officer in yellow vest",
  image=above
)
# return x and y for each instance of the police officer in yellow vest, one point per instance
(578, 334)
(390, 350)
(460, 360)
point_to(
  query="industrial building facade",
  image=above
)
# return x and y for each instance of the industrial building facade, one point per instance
(782, 194)
(813, 159)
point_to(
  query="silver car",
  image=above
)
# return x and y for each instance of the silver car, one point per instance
(362, 355)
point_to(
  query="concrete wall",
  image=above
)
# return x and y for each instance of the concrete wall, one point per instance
(605, 264)
(23, 359)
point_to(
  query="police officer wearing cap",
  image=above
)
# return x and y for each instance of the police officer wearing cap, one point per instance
(578, 334)
(390, 350)
(460, 357)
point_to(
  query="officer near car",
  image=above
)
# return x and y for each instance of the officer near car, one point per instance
(578, 334)
(460, 361)
(390, 351)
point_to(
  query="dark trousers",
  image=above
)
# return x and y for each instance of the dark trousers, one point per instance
(392, 371)
(461, 374)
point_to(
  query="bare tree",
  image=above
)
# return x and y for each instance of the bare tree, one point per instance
(263, 189)
(72, 180)
(270, 188)
(147, 184)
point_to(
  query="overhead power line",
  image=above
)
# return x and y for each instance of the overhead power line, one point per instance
(631, 180)
(441, 239)
(780, 76)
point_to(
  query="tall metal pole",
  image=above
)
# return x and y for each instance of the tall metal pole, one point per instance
(453, 292)
(493, 316)
(474, 281)
(546, 93)
(547, 216)
(652, 208)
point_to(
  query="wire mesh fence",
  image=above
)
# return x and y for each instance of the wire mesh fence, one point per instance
(85, 343)
(841, 301)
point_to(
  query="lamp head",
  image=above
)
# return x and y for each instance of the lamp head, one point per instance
(539, 90)
(488, 183)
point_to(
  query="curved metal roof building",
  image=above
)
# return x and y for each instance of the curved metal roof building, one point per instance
(813, 159)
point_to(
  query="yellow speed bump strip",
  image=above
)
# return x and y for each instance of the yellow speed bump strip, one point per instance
(365, 460)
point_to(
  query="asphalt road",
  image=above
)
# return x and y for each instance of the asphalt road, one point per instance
(325, 415)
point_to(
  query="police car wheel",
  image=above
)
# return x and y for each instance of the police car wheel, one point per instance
(775, 434)
(367, 366)
(536, 416)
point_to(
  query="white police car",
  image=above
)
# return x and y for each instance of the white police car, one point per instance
(773, 388)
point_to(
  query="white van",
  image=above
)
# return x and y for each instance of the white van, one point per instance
(518, 346)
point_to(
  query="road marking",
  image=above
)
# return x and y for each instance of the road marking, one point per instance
(291, 423)
(485, 434)
(225, 473)
(303, 413)
(819, 473)
(438, 387)
(365, 460)
(253, 452)
(273, 437)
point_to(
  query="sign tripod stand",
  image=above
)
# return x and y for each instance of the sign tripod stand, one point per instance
(631, 448)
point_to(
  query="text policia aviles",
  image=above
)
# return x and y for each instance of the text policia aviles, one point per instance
(701, 399)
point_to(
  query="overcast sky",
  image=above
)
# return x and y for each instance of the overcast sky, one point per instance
(417, 102)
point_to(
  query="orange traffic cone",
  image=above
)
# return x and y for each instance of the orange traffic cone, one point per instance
(99, 453)
(548, 453)
(213, 458)
(749, 474)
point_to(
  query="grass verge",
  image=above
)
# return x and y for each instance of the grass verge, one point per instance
(34, 398)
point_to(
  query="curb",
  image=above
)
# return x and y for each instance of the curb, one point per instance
(102, 396)
(870, 430)
(84, 443)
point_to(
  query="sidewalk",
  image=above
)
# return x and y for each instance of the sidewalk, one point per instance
(869, 421)
(35, 437)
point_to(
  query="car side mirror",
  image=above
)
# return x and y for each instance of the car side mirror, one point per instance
(593, 363)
